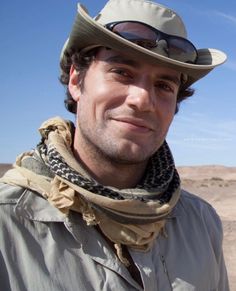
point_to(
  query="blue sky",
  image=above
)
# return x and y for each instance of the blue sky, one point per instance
(32, 34)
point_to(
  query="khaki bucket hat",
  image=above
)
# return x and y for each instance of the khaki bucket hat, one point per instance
(91, 32)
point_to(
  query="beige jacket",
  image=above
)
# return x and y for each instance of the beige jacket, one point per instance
(42, 249)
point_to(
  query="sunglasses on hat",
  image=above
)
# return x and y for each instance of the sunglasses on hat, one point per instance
(174, 47)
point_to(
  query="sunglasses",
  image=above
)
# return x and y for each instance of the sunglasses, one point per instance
(174, 47)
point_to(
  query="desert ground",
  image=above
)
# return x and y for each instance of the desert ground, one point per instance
(217, 185)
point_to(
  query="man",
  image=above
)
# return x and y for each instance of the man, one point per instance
(98, 205)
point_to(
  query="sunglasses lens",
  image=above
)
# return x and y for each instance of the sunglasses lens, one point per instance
(182, 50)
(137, 33)
(176, 47)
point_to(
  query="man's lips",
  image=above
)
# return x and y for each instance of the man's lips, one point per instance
(134, 122)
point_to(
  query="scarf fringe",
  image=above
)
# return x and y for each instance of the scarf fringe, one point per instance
(120, 255)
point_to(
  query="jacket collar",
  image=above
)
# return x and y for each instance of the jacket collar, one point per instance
(34, 207)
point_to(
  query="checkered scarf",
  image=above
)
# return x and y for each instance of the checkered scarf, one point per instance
(133, 217)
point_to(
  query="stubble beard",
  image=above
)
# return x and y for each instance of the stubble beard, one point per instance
(102, 148)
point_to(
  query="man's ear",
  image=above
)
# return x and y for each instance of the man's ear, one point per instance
(73, 86)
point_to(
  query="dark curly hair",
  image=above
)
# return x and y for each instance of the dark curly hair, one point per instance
(81, 61)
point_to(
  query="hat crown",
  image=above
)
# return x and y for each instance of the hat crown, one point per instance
(88, 33)
(154, 14)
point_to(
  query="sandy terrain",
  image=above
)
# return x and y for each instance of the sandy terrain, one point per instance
(217, 185)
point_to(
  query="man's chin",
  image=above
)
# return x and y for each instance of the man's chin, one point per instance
(131, 156)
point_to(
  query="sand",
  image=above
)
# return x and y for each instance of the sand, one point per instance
(217, 185)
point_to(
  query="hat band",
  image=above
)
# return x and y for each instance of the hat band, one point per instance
(174, 47)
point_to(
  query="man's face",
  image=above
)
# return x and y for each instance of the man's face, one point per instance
(125, 108)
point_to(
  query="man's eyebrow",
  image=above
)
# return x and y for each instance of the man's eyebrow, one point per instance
(123, 61)
(170, 78)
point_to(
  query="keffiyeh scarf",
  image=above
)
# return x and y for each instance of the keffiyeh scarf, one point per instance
(132, 217)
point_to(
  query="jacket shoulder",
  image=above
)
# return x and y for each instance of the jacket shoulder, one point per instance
(193, 201)
(10, 194)
(197, 211)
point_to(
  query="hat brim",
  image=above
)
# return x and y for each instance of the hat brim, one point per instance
(88, 32)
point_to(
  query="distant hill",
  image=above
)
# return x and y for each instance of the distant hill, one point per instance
(186, 172)
(207, 172)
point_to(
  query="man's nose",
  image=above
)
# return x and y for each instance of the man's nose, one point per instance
(142, 97)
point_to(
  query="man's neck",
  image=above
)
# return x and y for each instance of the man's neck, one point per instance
(111, 173)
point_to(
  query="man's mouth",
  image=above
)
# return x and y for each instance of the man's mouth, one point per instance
(135, 124)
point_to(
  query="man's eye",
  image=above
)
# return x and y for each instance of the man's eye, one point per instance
(164, 86)
(120, 72)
